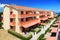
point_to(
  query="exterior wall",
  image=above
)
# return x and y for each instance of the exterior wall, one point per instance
(52, 14)
(6, 18)
(37, 15)
(17, 27)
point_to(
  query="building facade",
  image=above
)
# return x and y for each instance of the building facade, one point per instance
(19, 18)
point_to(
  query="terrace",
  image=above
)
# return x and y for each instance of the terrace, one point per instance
(54, 33)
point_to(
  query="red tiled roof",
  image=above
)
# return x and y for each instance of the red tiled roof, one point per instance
(29, 23)
(26, 8)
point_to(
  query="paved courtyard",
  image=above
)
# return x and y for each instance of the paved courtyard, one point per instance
(4, 35)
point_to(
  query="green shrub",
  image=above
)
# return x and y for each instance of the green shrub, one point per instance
(38, 31)
(28, 38)
(32, 30)
(41, 37)
(1, 25)
(19, 35)
(49, 30)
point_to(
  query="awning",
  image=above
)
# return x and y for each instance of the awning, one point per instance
(30, 23)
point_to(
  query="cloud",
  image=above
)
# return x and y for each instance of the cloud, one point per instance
(2, 5)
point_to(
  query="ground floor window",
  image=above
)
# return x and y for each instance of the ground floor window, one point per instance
(12, 28)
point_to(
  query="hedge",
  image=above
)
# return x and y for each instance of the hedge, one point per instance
(1, 25)
(19, 35)
(48, 30)
(38, 31)
(32, 30)
(41, 37)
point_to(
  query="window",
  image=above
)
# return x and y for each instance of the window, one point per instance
(56, 25)
(27, 19)
(26, 12)
(22, 20)
(22, 12)
(48, 12)
(12, 28)
(12, 19)
(48, 15)
(34, 17)
(41, 12)
(42, 16)
(34, 12)
(53, 34)
(11, 12)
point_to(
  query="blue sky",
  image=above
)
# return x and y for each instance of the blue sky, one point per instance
(41, 4)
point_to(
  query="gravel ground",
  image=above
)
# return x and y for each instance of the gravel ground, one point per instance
(4, 35)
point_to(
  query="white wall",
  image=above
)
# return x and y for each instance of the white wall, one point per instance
(6, 18)
(17, 26)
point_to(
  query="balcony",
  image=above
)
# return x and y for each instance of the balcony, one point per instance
(49, 16)
(12, 23)
(12, 15)
(44, 18)
(29, 23)
(26, 15)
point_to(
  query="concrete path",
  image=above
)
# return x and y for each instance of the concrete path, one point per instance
(4, 35)
(35, 37)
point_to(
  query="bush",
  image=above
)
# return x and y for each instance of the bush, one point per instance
(35, 30)
(1, 25)
(1, 13)
(49, 30)
(38, 31)
(19, 35)
(46, 31)
(32, 30)
(41, 37)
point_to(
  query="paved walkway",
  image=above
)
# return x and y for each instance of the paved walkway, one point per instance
(4, 35)
(35, 37)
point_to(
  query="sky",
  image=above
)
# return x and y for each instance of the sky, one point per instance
(41, 4)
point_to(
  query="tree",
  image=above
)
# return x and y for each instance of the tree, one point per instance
(1, 24)
(1, 13)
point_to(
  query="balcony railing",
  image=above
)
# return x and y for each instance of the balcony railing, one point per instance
(12, 23)
(44, 18)
(12, 15)
(26, 15)
(29, 23)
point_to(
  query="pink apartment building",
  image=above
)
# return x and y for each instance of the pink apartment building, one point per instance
(20, 18)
